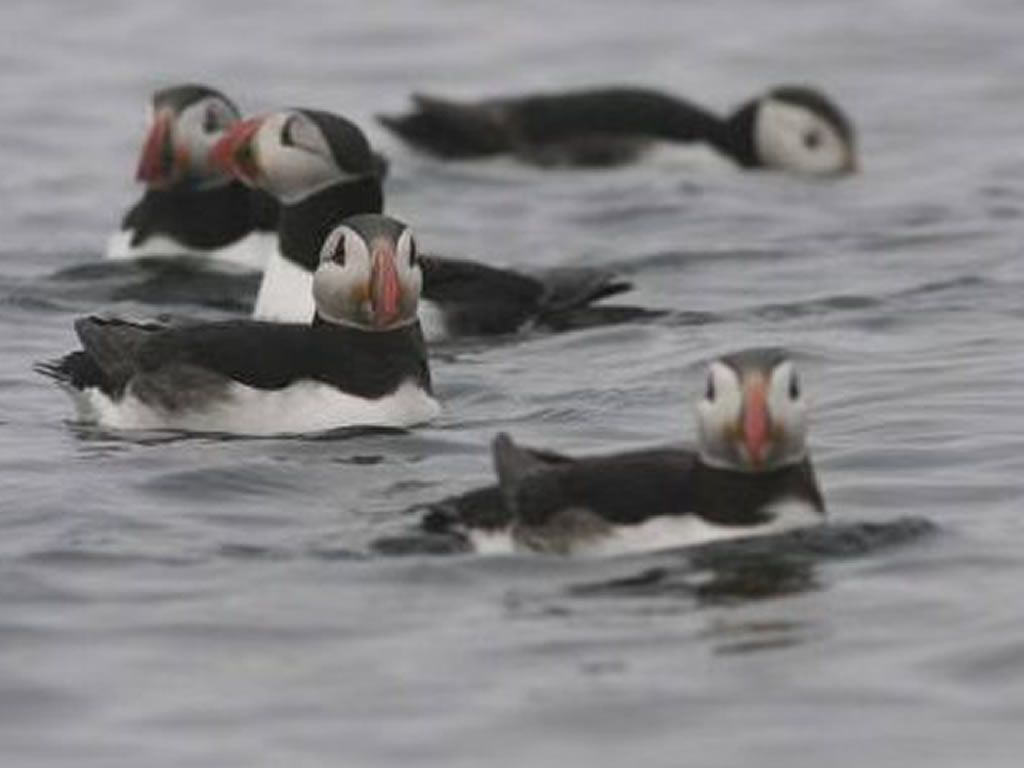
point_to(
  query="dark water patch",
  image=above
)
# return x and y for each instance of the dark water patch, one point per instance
(209, 485)
(963, 287)
(153, 282)
(892, 242)
(84, 557)
(353, 433)
(632, 213)
(679, 260)
(336, 553)
(253, 552)
(743, 578)
(112, 439)
(419, 544)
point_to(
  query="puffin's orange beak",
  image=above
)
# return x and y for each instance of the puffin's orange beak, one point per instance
(755, 423)
(234, 154)
(385, 290)
(157, 161)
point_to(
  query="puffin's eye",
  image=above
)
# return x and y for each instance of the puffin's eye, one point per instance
(286, 132)
(338, 257)
(709, 393)
(414, 254)
(794, 387)
(210, 122)
(812, 139)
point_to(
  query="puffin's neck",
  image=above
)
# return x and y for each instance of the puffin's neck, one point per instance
(304, 225)
(736, 138)
(675, 119)
(198, 217)
(732, 497)
(374, 363)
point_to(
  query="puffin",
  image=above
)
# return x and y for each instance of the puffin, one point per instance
(361, 361)
(189, 207)
(792, 128)
(315, 163)
(749, 474)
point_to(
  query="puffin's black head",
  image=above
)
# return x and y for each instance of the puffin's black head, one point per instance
(797, 129)
(184, 122)
(753, 415)
(295, 153)
(369, 274)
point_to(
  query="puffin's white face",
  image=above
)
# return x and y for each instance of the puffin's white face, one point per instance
(790, 137)
(753, 420)
(285, 154)
(178, 143)
(293, 156)
(369, 276)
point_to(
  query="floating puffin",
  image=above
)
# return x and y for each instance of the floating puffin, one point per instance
(750, 474)
(316, 163)
(190, 207)
(361, 361)
(789, 128)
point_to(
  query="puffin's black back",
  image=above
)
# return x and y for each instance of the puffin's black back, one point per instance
(595, 125)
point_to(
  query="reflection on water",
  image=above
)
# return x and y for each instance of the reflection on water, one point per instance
(728, 572)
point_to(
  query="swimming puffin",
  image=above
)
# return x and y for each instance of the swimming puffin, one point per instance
(190, 207)
(750, 474)
(315, 163)
(362, 360)
(789, 128)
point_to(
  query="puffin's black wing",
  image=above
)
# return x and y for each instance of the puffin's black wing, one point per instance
(462, 281)
(620, 489)
(480, 509)
(110, 353)
(257, 354)
(478, 299)
(116, 352)
(449, 129)
(572, 287)
(601, 126)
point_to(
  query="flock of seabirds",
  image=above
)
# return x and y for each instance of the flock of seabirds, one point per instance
(348, 306)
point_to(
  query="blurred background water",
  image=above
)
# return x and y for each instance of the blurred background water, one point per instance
(169, 601)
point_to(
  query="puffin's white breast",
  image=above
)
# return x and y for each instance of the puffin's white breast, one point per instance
(286, 292)
(303, 407)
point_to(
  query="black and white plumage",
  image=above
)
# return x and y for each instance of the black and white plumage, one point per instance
(190, 207)
(316, 163)
(750, 474)
(789, 128)
(361, 362)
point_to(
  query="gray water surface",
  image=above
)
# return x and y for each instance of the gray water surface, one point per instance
(175, 601)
